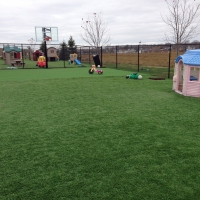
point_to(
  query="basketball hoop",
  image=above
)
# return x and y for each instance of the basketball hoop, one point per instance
(48, 39)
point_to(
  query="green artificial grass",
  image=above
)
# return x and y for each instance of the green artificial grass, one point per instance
(66, 134)
(30, 64)
(151, 71)
(41, 74)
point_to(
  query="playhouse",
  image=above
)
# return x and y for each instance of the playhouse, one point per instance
(37, 54)
(186, 79)
(73, 57)
(52, 54)
(11, 54)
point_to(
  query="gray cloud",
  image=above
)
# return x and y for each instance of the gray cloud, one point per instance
(129, 21)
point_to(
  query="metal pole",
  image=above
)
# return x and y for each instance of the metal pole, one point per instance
(29, 53)
(45, 52)
(22, 55)
(116, 56)
(170, 48)
(64, 55)
(80, 54)
(45, 45)
(89, 55)
(138, 58)
(101, 57)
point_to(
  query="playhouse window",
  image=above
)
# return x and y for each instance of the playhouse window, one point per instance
(15, 55)
(194, 74)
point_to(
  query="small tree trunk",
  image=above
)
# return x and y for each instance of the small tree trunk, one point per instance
(177, 45)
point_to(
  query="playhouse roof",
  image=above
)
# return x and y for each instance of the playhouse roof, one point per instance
(8, 49)
(38, 51)
(51, 48)
(190, 57)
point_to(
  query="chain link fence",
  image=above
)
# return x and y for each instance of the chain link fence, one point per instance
(155, 59)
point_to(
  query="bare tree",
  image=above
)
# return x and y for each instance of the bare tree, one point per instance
(32, 43)
(31, 48)
(183, 21)
(95, 31)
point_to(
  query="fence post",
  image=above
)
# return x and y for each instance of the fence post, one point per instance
(116, 56)
(138, 58)
(64, 55)
(29, 52)
(89, 55)
(80, 54)
(101, 56)
(22, 55)
(170, 48)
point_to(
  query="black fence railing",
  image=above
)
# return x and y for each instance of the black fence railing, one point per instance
(154, 58)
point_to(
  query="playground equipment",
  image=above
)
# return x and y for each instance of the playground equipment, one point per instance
(46, 35)
(11, 54)
(94, 69)
(73, 59)
(37, 54)
(52, 54)
(134, 76)
(57, 58)
(41, 61)
(77, 62)
(186, 79)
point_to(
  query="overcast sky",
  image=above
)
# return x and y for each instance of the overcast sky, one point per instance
(128, 21)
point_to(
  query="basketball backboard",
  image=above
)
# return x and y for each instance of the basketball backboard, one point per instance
(40, 32)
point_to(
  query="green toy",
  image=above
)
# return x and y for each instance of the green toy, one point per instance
(134, 76)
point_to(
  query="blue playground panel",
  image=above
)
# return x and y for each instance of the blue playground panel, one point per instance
(78, 62)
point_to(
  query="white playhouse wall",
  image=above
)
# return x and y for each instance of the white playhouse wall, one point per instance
(179, 76)
(185, 77)
(175, 76)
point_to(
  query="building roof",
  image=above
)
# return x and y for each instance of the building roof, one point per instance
(38, 51)
(51, 48)
(8, 49)
(190, 57)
